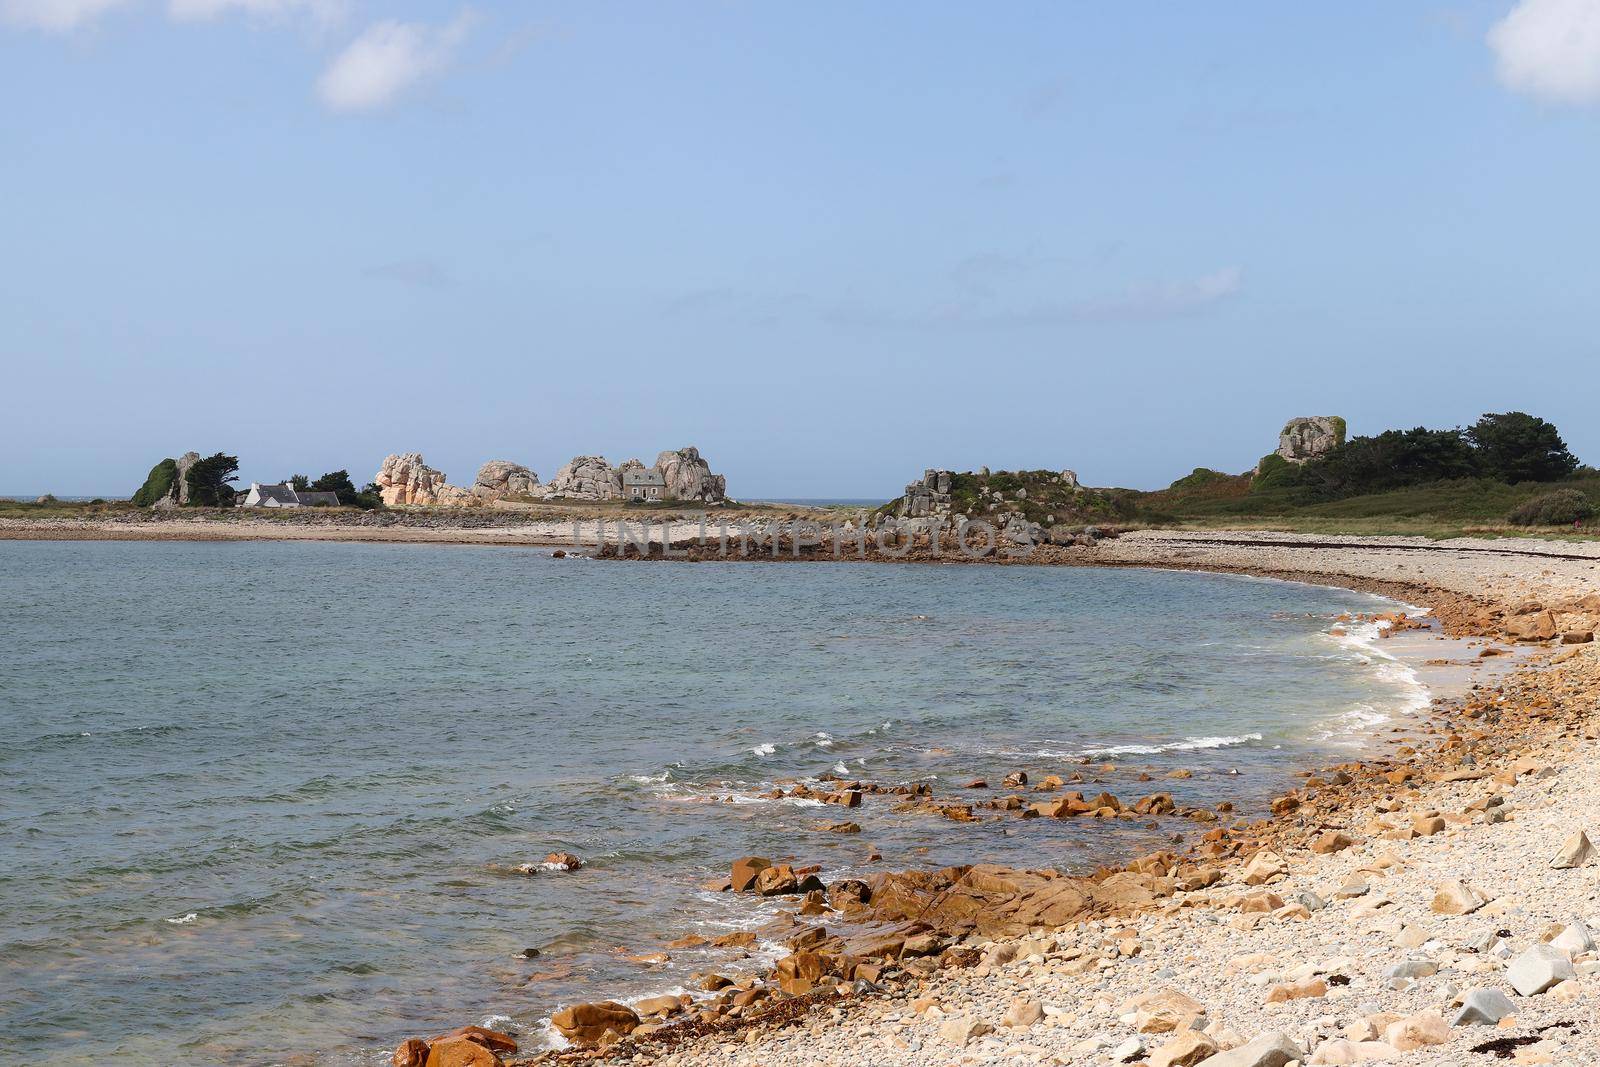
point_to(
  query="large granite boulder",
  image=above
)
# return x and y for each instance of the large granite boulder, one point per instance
(405, 479)
(587, 478)
(689, 477)
(1307, 438)
(500, 478)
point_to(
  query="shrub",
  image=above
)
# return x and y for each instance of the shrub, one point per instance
(1561, 507)
(1200, 479)
(157, 484)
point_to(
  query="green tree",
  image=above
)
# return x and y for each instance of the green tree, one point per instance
(1391, 460)
(299, 482)
(208, 481)
(339, 483)
(1517, 447)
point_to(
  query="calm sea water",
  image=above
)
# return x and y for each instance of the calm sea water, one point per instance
(261, 798)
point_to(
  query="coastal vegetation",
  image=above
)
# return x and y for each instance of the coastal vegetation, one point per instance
(338, 483)
(1402, 481)
(158, 484)
(209, 481)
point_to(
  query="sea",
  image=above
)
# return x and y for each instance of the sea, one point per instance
(265, 802)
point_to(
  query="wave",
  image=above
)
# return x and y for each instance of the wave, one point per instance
(1188, 744)
(1363, 640)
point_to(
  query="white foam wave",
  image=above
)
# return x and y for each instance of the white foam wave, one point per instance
(766, 748)
(183, 920)
(1364, 641)
(1188, 744)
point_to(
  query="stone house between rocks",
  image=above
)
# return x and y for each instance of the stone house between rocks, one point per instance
(643, 484)
(286, 496)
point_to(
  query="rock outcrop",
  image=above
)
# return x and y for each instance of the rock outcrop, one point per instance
(177, 494)
(930, 496)
(1307, 438)
(405, 479)
(689, 477)
(501, 478)
(588, 478)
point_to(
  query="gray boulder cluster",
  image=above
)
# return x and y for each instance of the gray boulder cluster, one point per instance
(406, 479)
(928, 497)
(685, 476)
(500, 478)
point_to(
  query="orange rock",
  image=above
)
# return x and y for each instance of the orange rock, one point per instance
(493, 1040)
(1330, 842)
(459, 1052)
(745, 870)
(776, 881)
(586, 1024)
(413, 1052)
(564, 860)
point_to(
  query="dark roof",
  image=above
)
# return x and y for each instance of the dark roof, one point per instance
(642, 477)
(288, 494)
(283, 494)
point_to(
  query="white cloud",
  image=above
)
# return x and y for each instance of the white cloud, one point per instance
(1550, 49)
(56, 16)
(388, 59)
(1168, 299)
(204, 10)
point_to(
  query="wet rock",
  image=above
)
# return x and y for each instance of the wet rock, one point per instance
(744, 872)
(562, 861)
(460, 1052)
(493, 1040)
(413, 1052)
(659, 1006)
(586, 1024)
(777, 881)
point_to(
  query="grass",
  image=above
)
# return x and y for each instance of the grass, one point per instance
(1468, 506)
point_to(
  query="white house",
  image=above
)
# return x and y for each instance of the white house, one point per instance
(286, 496)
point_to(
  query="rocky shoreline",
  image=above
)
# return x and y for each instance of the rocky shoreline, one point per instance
(1434, 903)
(1359, 923)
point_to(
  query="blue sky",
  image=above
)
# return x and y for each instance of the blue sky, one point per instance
(830, 244)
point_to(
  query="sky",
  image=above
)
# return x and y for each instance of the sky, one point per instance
(830, 244)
